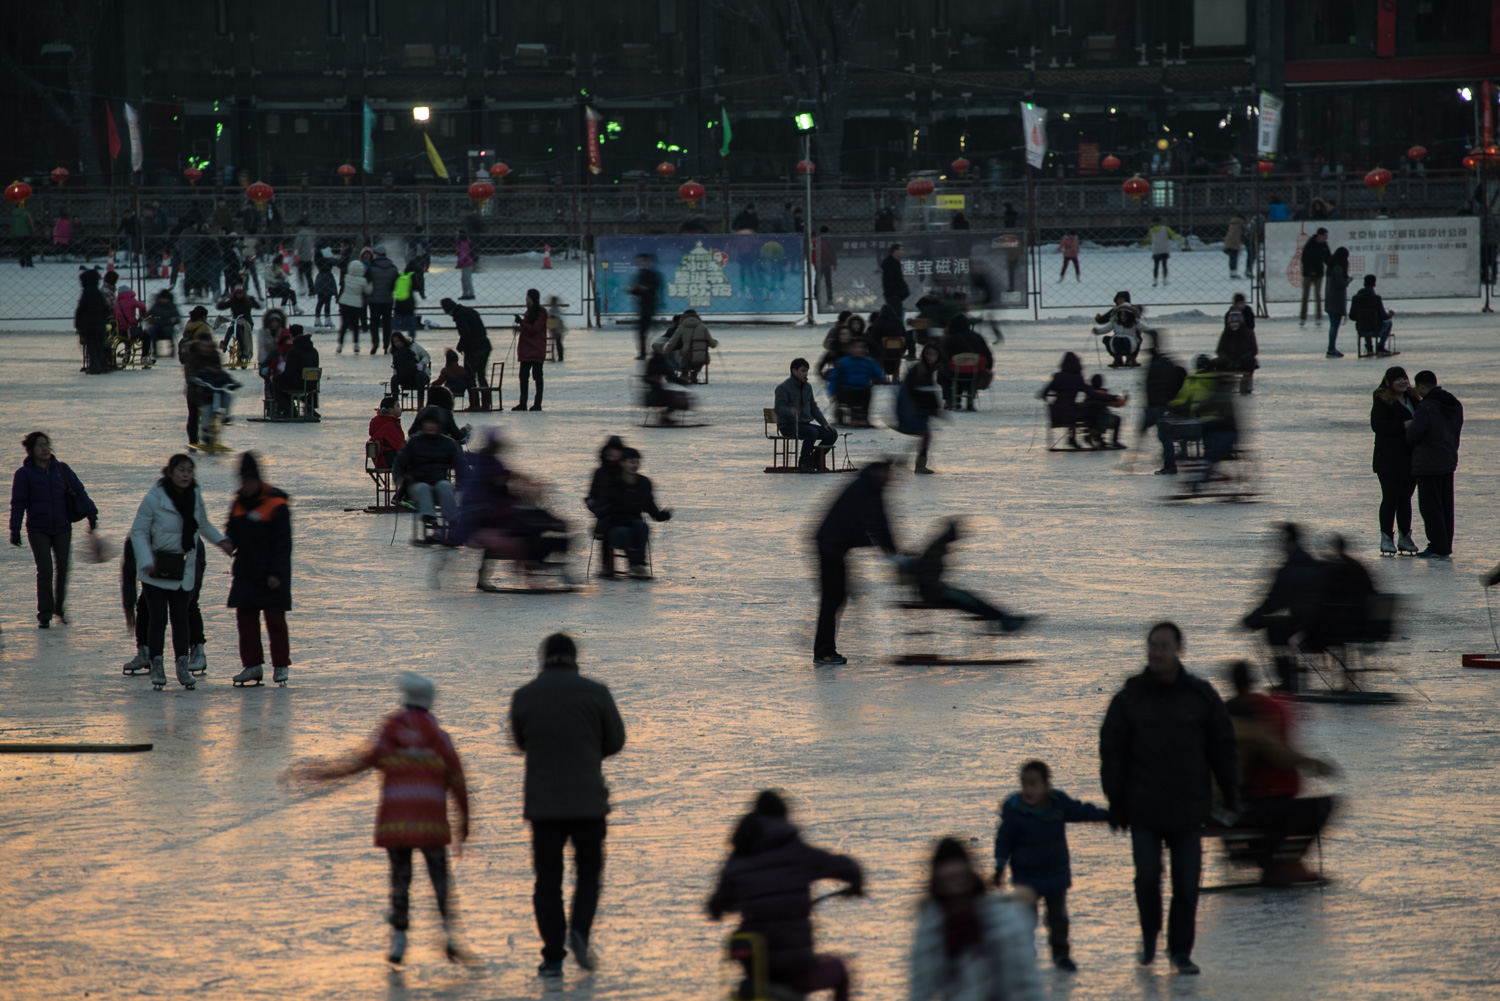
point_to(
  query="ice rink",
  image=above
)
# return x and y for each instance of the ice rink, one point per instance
(189, 872)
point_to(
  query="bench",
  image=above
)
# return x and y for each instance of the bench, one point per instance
(385, 501)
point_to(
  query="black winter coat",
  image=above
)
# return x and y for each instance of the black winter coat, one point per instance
(769, 886)
(262, 535)
(92, 315)
(620, 503)
(382, 272)
(892, 282)
(1161, 747)
(471, 336)
(1299, 588)
(426, 458)
(1066, 385)
(1433, 433)
(856, 519)
(1164, 379)
(1388, 417)
(1315, 255)
(1367, 311)
(567, 725)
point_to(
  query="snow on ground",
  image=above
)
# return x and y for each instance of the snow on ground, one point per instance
(187, 872)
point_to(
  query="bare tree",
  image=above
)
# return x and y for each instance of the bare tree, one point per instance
(809, 42)
(78, 24)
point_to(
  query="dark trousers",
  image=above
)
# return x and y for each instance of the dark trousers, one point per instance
(1057, 923)
(944, 596)
(350, 318)
(251, 653)
(1157, 416)
(1159, 265)
(1395, 501)
(437, 871)
(1435, 501)
(143, 621)
(824, 277)
(642, 329)
(528, 370)
(305, 269)
(1187, 865)
(812, 435)
(324, 309)
(51, 585)
(548, 838)
(479, 371)
(631, 536)
(1279, 632)
(857, 400)
(167, 606)
(833, 582)
(380, 324)
(23, 252)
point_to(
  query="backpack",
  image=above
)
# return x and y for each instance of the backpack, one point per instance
(402, 290)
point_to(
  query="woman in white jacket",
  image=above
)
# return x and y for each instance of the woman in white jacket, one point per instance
(164, 537)
(970, 945)
(352, 305)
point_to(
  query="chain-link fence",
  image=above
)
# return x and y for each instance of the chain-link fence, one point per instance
(1156, 262)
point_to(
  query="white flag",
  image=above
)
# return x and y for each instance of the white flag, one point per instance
(1268, 136)
(1034, 118)
(133, 125)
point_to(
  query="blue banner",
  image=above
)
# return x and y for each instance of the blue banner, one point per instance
(710, 273)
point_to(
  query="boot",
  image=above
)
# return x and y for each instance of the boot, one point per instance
(184, 676)
(1405, 545)
(140, 662)
(921, 466)
(1387, 544)
(397, 951)
(281, 675)
(158, 674)
(197, 659)
(248, 676)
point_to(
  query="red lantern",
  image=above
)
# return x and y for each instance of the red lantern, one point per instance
(347, 172)
(18, 192)
(1417, 154)
(1136, 188)
(1265, 167)
(1377, 179)
(806, 167)
(193, 174)
(260, 192)
(665, 170)
(1471, 159)
(499, 170)
(481, 192)
(960, 166)
(691, 192)
(1110, 162)
(60, 176)
(919, 189)
(1483, 156)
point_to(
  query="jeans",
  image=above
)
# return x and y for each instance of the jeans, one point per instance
(812, 435)
(437, 871)
(1395, 502)
(548, 838)
(631, 537)
(1334, 319)
(380, 324)
(47, 548)
(824, 277)
(251, 653)
(323, 311)
(466, 279)
(350, 318)
(529, 369)
(833, 581)
(406, 322)
(1314, 285)
(1435, 501)
(167, 605)
(422, 496)
(1187, 864)
(642, 329)
(479, 370)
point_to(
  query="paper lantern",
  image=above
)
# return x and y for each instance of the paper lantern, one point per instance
(18, 192)
(1265, 167)
(481, 192)
(260, 192)
(1417, 154)
(499, 170)
(806, 167)
(1110, 162)
(347, 172)
(1483, 156)
(665, 170)
(1377, 179)
(960, 166)
(1136, 188)
(919, 189)
(691, 192)
(193, 174)
(60, 176)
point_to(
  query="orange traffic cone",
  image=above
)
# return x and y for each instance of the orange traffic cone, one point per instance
(286, 265)
(166, 265)
(111, 265)
(547, 257)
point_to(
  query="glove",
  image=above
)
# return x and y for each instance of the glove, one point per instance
(666, 514)
(1118, 819)
(15, 538)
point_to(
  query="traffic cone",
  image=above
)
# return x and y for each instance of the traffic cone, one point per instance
(286, 266)
(296, 260)
(110, 266)
(547, 257)
(166, 265)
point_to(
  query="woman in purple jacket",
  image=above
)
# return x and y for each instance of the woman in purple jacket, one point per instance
(41, 493)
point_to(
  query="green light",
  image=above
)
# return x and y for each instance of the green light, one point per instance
(661, 144)
(613, 127)
(804, 121)
(218, 130)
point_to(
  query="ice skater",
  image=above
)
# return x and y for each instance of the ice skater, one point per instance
(925, 574)
(1160, 237)
(260, 527)
(50, 497)
(646, 288)
(419, 769)
(1068, 247)
(857, 519)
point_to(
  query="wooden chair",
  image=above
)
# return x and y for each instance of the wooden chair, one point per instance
(385, 501)
(965, 369)
(304, 401)
(491, 397)
(554, 349)
(784, 450)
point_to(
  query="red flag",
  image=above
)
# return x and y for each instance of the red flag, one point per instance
(592, 118)
(114, 133)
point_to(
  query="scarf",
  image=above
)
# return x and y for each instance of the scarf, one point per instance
(185, 501)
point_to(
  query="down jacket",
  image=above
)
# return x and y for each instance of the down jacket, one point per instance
(1033, 840)
(1433, 433)
(693, 340)
(567, 725)
(42, 496)
(158, 528)
(1388, 416)
(1002, 968)
(262, 535)
(531, 341)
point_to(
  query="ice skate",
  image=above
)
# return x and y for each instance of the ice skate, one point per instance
(397, 951)
(582, 954)
(281, 675)
(249, 677)
(454, 950)
(139, 663)
(184, 676)
(197, 660)
(1406, 546)
(1387, 545)
(158, 674)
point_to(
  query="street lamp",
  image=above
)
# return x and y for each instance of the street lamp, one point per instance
(806, 125)
(421, 114)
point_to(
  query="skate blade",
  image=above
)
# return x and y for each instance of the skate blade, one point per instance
(199, 672)
(140, 670)
(249, 684)
(156, 688)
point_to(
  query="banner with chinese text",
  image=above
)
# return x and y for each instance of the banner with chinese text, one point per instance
(1410, 258)
(710, 273)
(987, 268)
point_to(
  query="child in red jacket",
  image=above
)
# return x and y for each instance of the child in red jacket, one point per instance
(419, 769)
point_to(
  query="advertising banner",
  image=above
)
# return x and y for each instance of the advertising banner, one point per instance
(1034, 119)
(943, 262)
(1411, 258)
(734, 273)
(592, 119)
(1268, 135)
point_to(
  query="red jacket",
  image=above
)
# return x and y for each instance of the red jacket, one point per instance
(1266, 779)
(419, 768)
(386, 429)
(533, 342)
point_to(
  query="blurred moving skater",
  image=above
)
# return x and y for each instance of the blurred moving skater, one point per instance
(646, 288)
(50, 497)
(260, 527)
(925, 573)
(856, 519)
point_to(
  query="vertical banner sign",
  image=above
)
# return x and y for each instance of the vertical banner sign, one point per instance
(133, 126)
(593, 118)
(1269, 134)
(1035, 120)
(369, 147)
(114, 134)
(1385, 28)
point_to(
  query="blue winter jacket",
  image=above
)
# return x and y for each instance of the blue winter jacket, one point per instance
(855, 373)
(1034, 840)
(41, 495)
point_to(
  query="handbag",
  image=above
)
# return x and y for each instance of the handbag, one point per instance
(74, 506)
(168, 566)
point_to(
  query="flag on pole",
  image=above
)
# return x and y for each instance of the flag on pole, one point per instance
(369, 149)
(437, 162)
(1034, 118)
(133, 126)
(728, 132)
(114, 133)
(596, 161)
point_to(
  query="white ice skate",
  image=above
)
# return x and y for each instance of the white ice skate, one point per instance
(281, 675)
(1405, 546)
(139, 663)
(184, 676)
(197, 660)
(397, 951)
(248, 677)
(158, 674)
(1387, 545)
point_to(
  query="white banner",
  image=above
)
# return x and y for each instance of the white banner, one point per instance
(1035, 121)
(1269, 133)
(1410, 258)
(133, 124)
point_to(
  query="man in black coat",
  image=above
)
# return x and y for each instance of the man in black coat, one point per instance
(1372, 321)
(382, 272)
(856, 519)
(646, 289)
(473, 344)
(1433, 435)
(1166, 738)
(1292, 607)
(1315, 254)
(566, 725)
(893, 281)
(302, 356)
(260, 528)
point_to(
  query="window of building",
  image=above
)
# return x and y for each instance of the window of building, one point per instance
(1219, 23)
(1333, 22)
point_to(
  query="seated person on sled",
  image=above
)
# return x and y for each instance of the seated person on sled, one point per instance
(925, 574)
(658, 378)
(1207, 395)
(1097, 402)
(500, 513)
(618, 501)
(422, 468)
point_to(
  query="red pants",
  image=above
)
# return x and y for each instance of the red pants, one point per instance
(251, 654)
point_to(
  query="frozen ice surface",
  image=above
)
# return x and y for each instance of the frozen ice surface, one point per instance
(187, 872)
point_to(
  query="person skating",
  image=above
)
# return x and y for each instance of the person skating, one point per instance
(1234, 241)
(1433, 435)
(1372, 321)
(1160, 236)
(924, 572)
(1165, 739)
(1292, 609)
(22, 231)
(382, 272)
(619, 506)
(531, 347)
(164, 539)
(893, 287)
(1336, 297)
(646, 287)
(1068, 247)
(473, 344)
(798, 416)
(411, 285)
(49, 497)
(857, 519)
(971, 945)
(690, 344)
(767, 881)
(420, 770)
(352, 307)
(260, 529)
(1313, 262)
(91, 320)
(326, 288)
(1033, 840)
(1392, 409)
(852, 379)
(566, 725)
(464, 260)
(918, 401)
(138, 616)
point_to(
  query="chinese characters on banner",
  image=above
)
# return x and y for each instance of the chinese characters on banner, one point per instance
(1268, 136)
(1034, 118)
(1411, 258)
(710, 273)
(592, 118)
(987, 268)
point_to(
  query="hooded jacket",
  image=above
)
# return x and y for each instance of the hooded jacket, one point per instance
(1336, 286)
(1388, 416)
(693, 340)
(1315, 254)
(1033, 840)
(261, 531)
(567, 725)
(386, 429)
(1433, 433)
(266, 340)
(40, 493)
(92, 315)
(382, 273)
(1238, 346)
(531, 342)
(1064, 388)
(356, 289)
(128, 309)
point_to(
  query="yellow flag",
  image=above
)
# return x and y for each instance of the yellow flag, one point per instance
(437, 161)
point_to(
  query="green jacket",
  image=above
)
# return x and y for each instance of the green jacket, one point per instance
(20, 223)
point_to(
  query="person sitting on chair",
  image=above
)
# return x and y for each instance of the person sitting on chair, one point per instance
(1206, 396)
(242, 306)
(302, 356)
(406, 367)
(851, 380)
(659, 376)
(961, 338)
(1122, 328)
(1097, 402)
(1349, 589)
(497, 520)
(887, 331)
(619, 506)
(798, 416)
(1237, 349)
(690, 344)
(925, 574)
(385, 428)
(1372, 321)
(422, 468)
(1292, 608)
(454, 377)
(440, 398)
(1061, 395)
